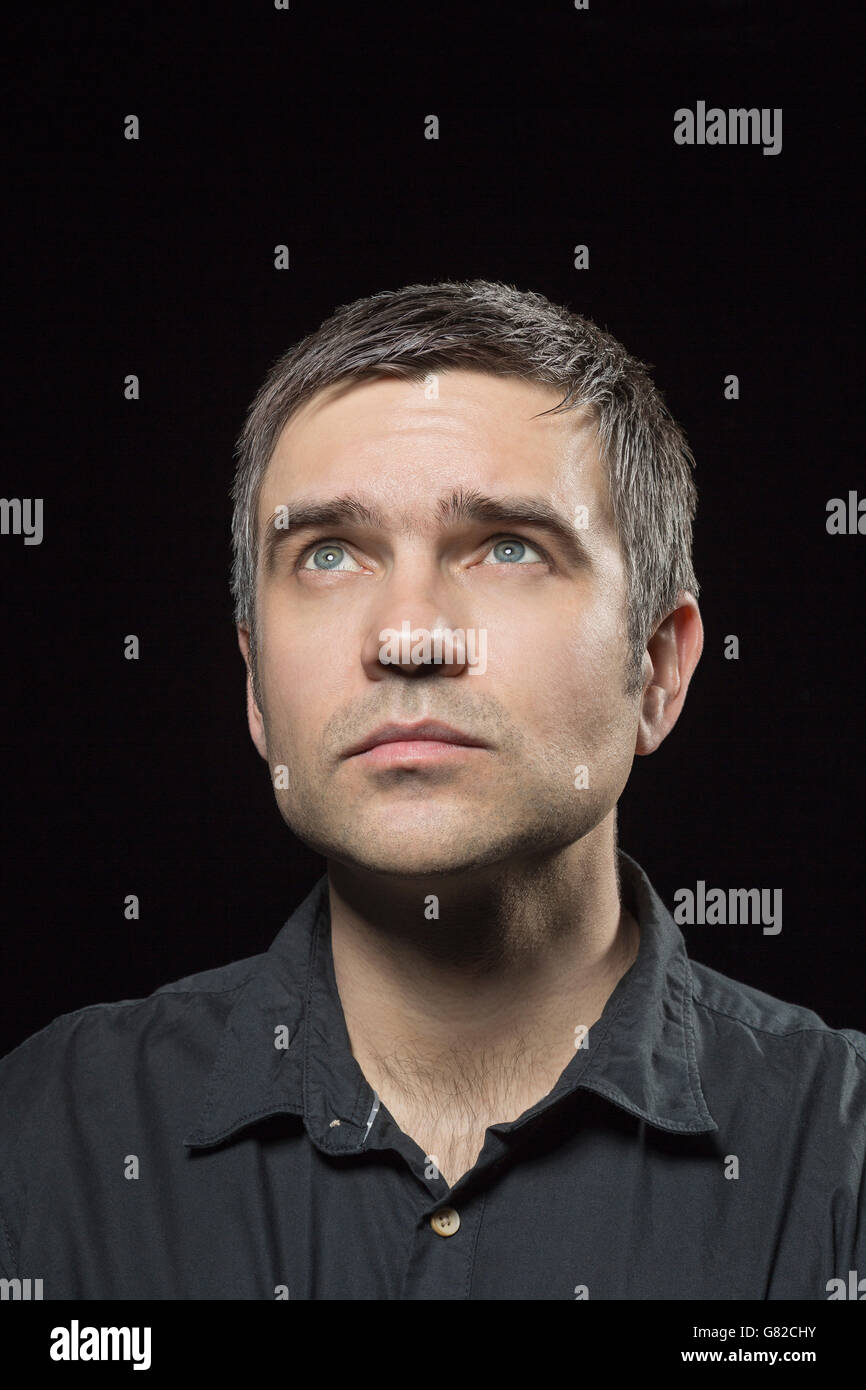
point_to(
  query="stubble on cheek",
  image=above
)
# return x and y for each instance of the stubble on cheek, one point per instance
(569, 712)
(525, 801)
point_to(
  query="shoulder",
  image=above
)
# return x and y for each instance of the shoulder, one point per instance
(202, 987)
(92, 1042)
(95, 1076)
(760, 1051)
(741, 1009)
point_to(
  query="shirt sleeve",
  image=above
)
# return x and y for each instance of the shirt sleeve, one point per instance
(853, 1110)
(26, 1075)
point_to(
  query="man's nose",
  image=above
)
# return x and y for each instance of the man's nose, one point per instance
(423, 649)
(416, 635)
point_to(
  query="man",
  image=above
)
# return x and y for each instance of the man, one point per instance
(476, 1062)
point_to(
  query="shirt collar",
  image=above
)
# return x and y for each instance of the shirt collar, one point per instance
(285, 1049)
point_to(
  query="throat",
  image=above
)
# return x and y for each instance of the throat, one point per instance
(446, 1104)
(448, 1153)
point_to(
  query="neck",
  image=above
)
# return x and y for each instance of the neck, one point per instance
(487, 995)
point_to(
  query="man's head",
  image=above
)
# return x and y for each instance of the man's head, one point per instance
(470, 459)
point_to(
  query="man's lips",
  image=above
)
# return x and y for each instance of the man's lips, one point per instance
(426, 738)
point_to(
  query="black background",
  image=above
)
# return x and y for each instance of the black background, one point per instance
(155, 257)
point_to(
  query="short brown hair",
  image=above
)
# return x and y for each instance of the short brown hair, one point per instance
(487, 326)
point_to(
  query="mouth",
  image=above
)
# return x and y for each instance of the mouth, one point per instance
(426, 741)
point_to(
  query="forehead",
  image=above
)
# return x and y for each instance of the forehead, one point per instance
(403, 444)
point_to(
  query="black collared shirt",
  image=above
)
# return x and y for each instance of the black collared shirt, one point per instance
(218, 1140)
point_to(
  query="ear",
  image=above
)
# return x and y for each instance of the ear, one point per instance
(671, 656)
(254, 714)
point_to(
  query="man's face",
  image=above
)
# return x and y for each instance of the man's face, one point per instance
(543, 617)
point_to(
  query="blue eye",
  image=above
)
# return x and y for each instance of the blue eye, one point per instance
(330, 557)
(512, 551)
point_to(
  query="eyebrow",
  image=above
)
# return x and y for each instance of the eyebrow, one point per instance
(460, 506)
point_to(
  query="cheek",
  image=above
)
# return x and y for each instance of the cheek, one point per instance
(290, 668)
(565, 678)
(306, 675)
(565, 651)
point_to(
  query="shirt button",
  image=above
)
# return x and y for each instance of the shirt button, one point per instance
(445, 1221)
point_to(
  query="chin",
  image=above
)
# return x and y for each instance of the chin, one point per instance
(404, 862)
(412, 853)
